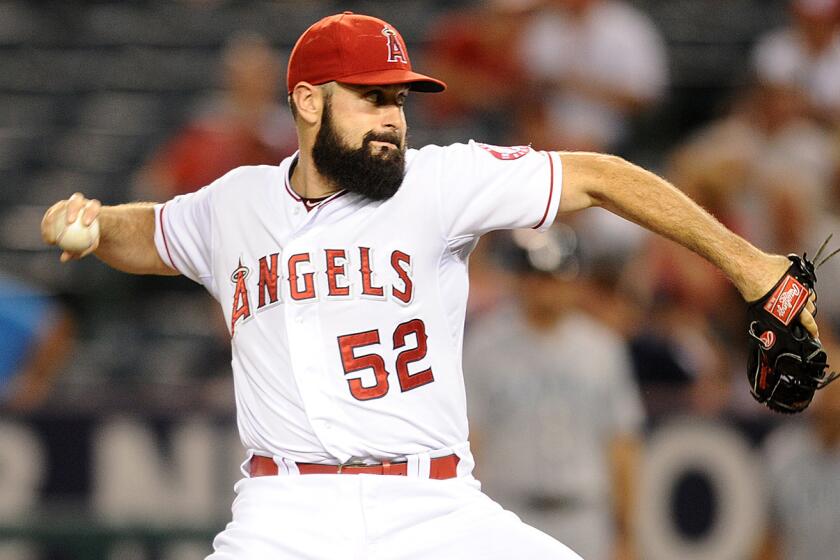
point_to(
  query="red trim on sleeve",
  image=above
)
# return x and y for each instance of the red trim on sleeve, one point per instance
(550, 192)
(165, 243)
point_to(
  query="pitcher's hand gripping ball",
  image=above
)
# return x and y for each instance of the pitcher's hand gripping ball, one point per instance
(74, 237)
(786, 364)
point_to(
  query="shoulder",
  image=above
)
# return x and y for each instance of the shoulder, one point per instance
(430, 151)
(252, 178)
(242, 188)
(433, 163)
(249, 175)
(468, 151)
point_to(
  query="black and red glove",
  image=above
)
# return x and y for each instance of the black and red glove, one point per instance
(786, 364)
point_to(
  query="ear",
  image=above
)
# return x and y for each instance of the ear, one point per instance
(309, 101)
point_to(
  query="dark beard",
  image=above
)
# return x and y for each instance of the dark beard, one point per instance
(358, 170)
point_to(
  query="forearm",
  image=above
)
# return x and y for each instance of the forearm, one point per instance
(127, 239)
(650, 201)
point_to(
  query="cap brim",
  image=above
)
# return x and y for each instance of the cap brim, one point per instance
(415, 81)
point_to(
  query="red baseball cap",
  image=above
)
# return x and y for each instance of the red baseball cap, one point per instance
(354, 49)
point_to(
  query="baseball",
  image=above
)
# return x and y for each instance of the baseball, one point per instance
(74, 237)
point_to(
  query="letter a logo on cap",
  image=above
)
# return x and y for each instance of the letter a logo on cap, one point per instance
(395, 50)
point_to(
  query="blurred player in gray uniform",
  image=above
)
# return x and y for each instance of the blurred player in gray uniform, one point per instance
(550, 390)
(803, 460)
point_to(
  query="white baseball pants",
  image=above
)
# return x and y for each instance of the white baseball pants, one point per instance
(374, 517)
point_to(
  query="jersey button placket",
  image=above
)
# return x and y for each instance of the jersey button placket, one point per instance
(307, 353)
(306, 358)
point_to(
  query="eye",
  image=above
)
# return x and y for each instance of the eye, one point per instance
(401, 99)
(375, 96)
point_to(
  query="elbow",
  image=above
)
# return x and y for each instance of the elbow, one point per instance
(590, 179)
(607, 173)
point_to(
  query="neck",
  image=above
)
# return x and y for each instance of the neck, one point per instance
(306, 181)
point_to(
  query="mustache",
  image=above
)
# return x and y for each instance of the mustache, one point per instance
(391, 137)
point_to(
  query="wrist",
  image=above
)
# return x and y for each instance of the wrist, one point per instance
(767, 271)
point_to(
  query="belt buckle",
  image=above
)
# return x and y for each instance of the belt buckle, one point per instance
(352, 462)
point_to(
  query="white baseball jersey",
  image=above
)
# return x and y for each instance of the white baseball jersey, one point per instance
(346, 319)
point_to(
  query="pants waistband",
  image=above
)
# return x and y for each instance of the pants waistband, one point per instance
(440, 468)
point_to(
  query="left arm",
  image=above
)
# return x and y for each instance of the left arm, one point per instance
(591, 179)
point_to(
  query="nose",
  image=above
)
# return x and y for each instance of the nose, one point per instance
(392, 117)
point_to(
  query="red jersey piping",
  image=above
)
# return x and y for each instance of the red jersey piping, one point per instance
(289, 188)
(550, 192)
(300, 199)
(165, 243)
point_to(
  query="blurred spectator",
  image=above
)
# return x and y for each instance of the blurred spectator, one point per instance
(473, 51)
(551, 394)
(768, 136)
(678, 351)
(36, 336)
(764, 171)
(489, 281)
(244, 125)
(806, 55)
(592, 65)
(767, 172)
(803, 461)
(596, 63)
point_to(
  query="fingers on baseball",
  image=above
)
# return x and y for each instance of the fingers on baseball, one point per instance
(47, 230)
(91, 211)
(75, 203)
(67, 256)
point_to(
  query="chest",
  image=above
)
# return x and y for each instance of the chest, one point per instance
(342, 252)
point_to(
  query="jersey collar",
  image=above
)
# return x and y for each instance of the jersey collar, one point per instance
(309, 204)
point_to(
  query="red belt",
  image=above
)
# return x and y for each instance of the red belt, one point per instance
(440, 468)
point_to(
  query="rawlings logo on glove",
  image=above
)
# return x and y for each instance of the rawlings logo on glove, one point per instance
(787, 365)
(788, 300)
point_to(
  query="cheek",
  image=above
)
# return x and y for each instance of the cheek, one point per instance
(349, 133)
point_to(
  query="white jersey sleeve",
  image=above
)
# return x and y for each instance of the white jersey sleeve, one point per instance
(184, 234)
(486, 188)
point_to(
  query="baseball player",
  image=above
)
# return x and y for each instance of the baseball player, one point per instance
(584, 414)
(342, 275)
(802, 463)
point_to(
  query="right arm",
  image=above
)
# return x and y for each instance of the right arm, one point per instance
(126, 234)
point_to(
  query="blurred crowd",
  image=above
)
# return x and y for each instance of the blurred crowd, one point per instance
(581, 338)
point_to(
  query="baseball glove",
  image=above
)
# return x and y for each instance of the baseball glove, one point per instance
(786, 364)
